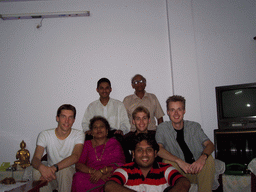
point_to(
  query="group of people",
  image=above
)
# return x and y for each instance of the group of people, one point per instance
(163, 156)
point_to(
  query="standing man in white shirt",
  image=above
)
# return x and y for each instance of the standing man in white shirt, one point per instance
(64, 146)
(112, 109)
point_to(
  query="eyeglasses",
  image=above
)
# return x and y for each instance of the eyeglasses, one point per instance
(136, 82)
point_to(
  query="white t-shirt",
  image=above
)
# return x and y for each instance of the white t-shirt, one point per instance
(57, 149)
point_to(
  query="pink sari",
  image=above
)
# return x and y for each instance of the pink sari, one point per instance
(113, 156)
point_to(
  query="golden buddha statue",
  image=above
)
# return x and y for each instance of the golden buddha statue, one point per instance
(23, 156)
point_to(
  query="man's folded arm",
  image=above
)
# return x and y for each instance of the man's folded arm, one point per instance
(181, 185)
(47, 173)
(112, 186)
(73, 158)
(164, 154)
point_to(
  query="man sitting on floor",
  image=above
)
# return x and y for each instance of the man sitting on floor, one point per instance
(145, 174)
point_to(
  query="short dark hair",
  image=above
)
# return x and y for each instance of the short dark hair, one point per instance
(149, 138)
(175, 98)
(143, 78)
(140, 109)
(66, 107)
(99, 118)
(103, 80)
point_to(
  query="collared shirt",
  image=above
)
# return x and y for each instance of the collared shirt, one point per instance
(158, 178)
(149, 101)
(194, 137)
(114, 112)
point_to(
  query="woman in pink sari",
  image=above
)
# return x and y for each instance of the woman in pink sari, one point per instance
(100, 157)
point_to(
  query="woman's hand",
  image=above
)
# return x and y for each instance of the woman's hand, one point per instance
(95, 176)
(106, 176)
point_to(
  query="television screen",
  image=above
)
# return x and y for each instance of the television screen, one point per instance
(239, 103)
(236, 105)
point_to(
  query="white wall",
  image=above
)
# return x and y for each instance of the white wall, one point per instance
(62, 61)
(225, 49)
(211, 44)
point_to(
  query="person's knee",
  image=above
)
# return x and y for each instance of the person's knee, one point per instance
(36, 175)
(67, 172)
(210, 165)
(65, 177)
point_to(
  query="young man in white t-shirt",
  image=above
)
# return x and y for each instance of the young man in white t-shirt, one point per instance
(63, 146)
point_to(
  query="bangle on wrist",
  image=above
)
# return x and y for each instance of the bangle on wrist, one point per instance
(206, 155)
(106, 170)
(101, 171)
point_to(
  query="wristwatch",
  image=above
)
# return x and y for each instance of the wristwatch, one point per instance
(57, 167)
(206, 155)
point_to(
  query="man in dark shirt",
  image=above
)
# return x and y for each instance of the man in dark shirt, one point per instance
(141, 120)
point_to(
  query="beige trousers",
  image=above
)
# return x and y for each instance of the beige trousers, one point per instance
(63, 182)
(204, 179)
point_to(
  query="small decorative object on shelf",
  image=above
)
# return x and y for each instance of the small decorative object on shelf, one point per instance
(4, 166)
(8, 181)
(23, 156)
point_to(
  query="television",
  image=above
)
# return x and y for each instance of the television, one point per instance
(236, 106)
